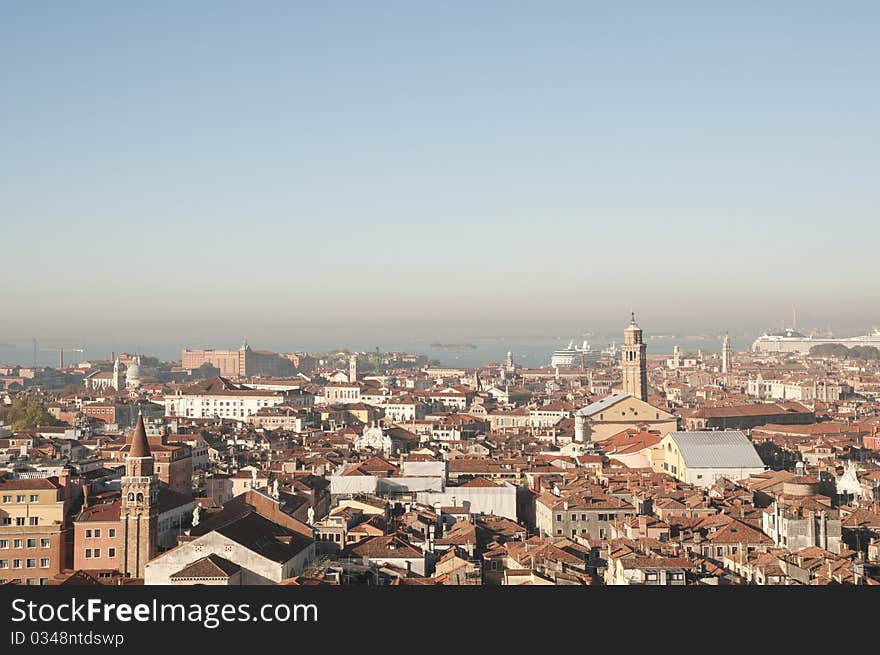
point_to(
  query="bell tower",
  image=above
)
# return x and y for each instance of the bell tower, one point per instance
(352, 369)
(117, 382)
(633, 361)
(726, 355)
(139, 510)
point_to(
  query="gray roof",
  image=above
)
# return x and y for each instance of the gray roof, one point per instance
(605, 403)
(717, 449)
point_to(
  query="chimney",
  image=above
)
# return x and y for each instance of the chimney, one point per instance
(85, 490)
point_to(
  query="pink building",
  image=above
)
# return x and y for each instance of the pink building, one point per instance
(97, 538)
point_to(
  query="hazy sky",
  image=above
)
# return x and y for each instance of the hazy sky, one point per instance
(491, 166)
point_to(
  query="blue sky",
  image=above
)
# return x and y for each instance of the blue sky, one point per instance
(489, 164)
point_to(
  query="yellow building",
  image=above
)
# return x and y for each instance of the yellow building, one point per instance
(620, 411)
(31, 530)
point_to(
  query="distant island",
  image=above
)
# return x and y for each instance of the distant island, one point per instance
(453, 346)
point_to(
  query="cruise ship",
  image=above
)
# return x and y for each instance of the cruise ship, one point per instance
(792, 341)
(574, 356)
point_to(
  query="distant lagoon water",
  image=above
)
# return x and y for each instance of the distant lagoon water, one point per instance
(529, 351)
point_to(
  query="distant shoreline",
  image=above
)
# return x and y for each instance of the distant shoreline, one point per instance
(453, 346)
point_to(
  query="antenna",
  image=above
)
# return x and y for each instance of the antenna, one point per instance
(794, 318)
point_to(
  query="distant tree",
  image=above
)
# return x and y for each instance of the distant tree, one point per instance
(29, 414)
(839, 350)
(71, 389)
(149, 362)
(830, 350)
(206, 370)
(864, 352)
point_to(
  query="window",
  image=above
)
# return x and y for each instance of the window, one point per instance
(97, 532)
(574, 517)
(31, 543)
(97, 552)
(19, 498)
(35, 498)
(5, 520)
(17, 543)
(4, 563)
(583, 517)
(112, 532)
(111, 552)
(31, 563)
(16, 563)
(88, 553)
(559, 531)
(44, 562)
(44, 543)
(33, 520)
(19, 520)
(7, 499)
(559, 517)
(651, 576)
(88, 534)
(718, 551)
(4, 543)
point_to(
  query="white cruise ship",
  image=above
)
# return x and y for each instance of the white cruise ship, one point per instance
(791, 341)
(574, 356)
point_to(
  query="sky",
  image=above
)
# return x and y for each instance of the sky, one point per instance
(457, 168)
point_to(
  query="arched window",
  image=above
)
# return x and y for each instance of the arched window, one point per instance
(131, 497)
(140, 498)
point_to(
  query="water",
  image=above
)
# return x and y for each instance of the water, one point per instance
(529, 351)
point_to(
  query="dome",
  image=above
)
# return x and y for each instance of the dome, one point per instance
(133, 373)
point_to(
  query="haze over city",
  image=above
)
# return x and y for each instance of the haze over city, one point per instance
(350, 172)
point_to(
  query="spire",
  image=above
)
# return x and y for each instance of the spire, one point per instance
(632, 318)
(140, 447)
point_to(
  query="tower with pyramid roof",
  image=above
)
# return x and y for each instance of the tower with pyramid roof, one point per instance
(139, 510)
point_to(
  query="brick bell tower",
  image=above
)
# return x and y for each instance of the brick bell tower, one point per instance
(139, 511)
(634, 361)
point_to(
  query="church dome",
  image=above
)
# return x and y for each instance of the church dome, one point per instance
(133, 373)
